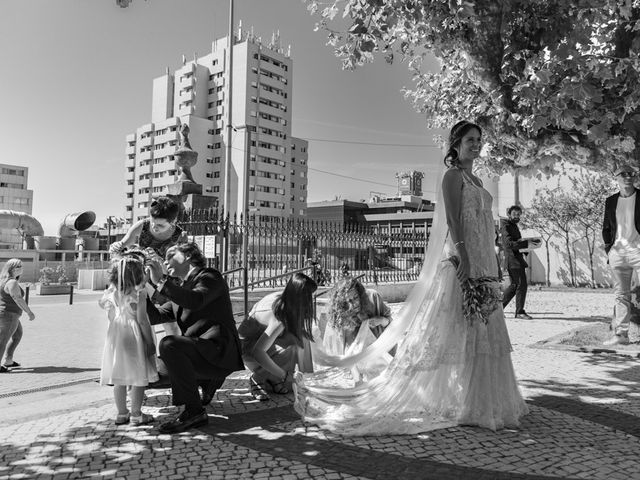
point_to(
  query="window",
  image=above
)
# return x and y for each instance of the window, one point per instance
(216, 189)
(219, 116)
(293, 185)
(13, 171)
(216, 174)
(218, 103)
(209, 174)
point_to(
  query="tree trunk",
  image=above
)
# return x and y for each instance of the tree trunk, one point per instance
(567, 242)
(546, 244)
(590, 248)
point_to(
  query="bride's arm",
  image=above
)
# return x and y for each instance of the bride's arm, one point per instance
(452, 194)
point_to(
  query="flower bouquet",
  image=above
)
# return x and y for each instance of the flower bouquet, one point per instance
(480, 296)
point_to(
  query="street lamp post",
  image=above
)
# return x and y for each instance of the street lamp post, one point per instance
(227, 158)
(245, 210)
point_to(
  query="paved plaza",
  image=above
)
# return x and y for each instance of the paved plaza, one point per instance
(57, 422)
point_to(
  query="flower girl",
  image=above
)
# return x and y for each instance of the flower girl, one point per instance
(128, 360)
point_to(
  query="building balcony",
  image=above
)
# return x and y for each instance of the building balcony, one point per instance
(145, 142)
(147, 155)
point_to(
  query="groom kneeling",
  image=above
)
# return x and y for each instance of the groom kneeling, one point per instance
(209, 348)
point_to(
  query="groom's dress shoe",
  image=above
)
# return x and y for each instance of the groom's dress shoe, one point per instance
(524, 315)
(185, 421)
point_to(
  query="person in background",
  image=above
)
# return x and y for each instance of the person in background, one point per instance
(12, 305)
(515, 263)
(620, 232)
(275, 337)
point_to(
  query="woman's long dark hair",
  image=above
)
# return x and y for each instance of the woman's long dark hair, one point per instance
(294, 308)
(458, 131)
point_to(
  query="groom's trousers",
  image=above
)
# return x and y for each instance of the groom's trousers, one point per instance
(187, 368)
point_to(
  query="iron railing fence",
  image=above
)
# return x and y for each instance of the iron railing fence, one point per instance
(378, 253)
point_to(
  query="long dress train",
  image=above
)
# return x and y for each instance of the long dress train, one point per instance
(448, 370)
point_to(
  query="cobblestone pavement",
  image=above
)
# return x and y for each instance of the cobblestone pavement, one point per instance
(583, 422)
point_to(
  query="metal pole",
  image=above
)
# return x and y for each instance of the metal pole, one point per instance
(227, 158)
(71, 295)
(245, 233)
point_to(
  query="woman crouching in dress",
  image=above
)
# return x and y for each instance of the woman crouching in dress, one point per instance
(275, 337)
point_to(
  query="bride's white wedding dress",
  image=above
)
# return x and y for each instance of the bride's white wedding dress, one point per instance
(447, 370)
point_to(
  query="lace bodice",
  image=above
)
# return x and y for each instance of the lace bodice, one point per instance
(478, 229)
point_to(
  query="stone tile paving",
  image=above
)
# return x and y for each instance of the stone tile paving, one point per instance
(583, 424)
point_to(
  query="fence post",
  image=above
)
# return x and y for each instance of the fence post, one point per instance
(71, 295)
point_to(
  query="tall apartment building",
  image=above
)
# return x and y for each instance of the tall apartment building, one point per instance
(197, 94)
(15, 196)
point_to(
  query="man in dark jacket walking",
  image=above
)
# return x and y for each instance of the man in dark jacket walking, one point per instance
(515, 263)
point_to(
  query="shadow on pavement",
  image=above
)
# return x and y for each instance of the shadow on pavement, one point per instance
(54, 369)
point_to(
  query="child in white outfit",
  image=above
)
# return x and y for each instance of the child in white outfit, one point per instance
(128, 359)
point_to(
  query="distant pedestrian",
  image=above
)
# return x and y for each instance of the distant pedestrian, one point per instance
(12, 305)
(515, 263)
(620, 232)
(128, 360)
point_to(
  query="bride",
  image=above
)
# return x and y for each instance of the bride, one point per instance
(453, 360)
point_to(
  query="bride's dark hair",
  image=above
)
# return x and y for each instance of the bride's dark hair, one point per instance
(458, 131)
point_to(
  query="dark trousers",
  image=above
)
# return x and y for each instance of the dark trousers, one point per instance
(187, 369)
(518, 288)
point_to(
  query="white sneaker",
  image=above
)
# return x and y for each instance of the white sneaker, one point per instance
(617, 340)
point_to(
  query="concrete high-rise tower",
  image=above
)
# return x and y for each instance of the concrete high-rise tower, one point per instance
(197, 95)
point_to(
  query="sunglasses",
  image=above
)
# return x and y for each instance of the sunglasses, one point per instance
(627, 174)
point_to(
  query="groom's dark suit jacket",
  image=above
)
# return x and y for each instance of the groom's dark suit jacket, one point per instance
(610, 223)
(201, 306)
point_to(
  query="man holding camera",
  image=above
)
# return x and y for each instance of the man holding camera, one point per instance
(515, 263)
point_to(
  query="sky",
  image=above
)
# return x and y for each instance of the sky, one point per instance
(77, 78)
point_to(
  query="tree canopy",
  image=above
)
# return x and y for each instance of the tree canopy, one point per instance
(547, 80)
